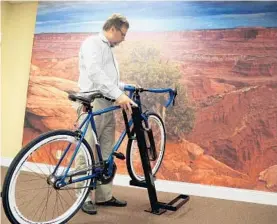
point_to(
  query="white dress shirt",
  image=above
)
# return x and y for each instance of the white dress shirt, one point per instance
(99, 68)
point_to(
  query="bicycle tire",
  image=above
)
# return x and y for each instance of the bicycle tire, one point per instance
(130, 150)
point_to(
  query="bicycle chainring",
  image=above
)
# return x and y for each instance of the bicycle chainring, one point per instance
(105, 179)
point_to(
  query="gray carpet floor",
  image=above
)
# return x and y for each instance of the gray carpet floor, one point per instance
(198, 210)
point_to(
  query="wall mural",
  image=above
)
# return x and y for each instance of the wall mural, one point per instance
(222, 56)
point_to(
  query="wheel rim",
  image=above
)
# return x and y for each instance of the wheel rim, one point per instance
(159, 136)
(37, 172)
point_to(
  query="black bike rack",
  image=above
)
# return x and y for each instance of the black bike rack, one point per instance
(157, 207)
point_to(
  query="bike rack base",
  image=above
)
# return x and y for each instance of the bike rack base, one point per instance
(161, 207)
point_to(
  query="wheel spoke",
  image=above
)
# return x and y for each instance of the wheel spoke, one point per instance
(54, 206)
(61, 203)
(38, 166)
(30, 200)
(63, 199)
(35, 173)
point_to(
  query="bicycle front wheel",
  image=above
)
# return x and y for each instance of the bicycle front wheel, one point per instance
(29, 195)
(134, 165)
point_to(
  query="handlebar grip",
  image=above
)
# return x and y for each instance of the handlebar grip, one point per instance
(129, 88)
(172, 95)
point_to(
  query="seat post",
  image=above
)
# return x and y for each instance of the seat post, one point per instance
(87, 107)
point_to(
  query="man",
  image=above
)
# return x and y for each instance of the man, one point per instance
(99, 71)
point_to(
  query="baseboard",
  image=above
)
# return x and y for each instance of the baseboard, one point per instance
(234, 194)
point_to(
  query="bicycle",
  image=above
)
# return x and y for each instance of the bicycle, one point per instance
(55, 174)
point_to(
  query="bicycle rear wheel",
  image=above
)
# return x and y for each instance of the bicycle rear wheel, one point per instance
(133, 160)
(28, 194)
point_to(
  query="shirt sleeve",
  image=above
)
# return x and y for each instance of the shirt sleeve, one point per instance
(121, 85)
(91, 56)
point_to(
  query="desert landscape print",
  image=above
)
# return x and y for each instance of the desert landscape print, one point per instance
(222, 56)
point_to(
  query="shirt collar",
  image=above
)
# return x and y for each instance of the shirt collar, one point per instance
(103, 38)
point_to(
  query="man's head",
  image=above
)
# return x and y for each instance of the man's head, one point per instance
(115, 29)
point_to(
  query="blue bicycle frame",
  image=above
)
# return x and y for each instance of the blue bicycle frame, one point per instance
(133, 94)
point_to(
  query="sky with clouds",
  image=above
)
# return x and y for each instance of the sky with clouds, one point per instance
(63, 17)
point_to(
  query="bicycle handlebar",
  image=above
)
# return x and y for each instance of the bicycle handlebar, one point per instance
(172, 93)
(96, 94)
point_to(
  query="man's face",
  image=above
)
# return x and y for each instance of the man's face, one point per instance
(118, 35)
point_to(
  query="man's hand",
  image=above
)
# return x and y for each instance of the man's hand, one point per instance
(125, 102)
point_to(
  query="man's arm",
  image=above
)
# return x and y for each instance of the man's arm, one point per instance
(91, 58)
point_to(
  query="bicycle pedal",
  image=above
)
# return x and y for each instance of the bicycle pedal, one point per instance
(119, 155)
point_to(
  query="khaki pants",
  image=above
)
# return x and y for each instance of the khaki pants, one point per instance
(105, 126)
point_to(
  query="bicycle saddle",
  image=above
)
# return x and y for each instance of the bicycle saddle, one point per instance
(85, 97)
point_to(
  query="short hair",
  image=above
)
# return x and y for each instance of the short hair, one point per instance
(116, 20)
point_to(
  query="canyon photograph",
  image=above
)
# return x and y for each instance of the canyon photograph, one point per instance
(222, 58)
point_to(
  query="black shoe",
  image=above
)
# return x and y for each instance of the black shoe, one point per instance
(113, 202)
(89, 208)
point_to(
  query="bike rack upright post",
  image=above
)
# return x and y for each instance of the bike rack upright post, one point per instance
(157, 207)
